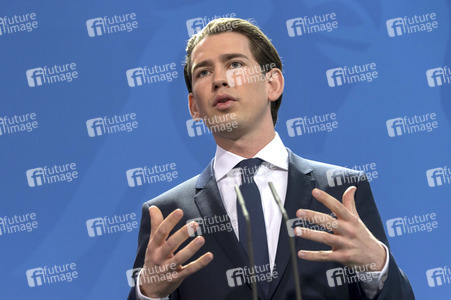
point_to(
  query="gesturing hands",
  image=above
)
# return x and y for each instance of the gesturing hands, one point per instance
(353, 245)
(163, 271)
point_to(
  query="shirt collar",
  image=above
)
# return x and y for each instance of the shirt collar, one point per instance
(274, 153)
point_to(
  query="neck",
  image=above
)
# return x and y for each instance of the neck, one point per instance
(247, 144)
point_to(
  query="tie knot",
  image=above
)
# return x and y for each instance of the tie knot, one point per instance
(249, 167)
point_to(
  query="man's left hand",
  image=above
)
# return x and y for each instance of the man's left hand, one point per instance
(353, 245)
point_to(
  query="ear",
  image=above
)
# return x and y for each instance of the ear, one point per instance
(276, 84)
(193, 109)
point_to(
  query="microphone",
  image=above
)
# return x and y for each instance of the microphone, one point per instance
(291, 239)
(249, 238)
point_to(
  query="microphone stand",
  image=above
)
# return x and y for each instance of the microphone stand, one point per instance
(249, 238)
(291, 239)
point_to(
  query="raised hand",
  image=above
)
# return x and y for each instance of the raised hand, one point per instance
(353, 245)
(163, 271)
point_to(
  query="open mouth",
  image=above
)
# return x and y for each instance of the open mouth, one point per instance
(224, 101)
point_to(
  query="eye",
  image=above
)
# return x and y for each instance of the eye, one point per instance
(236, 64)
(202, 73)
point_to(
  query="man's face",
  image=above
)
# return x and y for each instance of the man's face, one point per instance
(216, 95)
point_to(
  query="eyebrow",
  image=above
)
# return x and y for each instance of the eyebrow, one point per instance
(223, 58)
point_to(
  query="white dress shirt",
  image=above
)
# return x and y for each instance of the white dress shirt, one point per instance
(275, 169)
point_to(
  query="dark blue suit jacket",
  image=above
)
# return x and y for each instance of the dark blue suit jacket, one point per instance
(199, 197)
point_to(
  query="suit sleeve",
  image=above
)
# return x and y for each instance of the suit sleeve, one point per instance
(396, 285)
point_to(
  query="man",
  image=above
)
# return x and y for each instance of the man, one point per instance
(233, 72)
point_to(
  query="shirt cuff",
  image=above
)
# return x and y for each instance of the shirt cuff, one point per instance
(140, 296)
(373, 282)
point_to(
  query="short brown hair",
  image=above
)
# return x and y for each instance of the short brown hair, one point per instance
(261, 47)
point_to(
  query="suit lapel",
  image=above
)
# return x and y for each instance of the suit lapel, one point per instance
(299, 194)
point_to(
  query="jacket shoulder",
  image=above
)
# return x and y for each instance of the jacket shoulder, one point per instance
(323, 168)
(308, 166)
(328, 175)
(185, 190)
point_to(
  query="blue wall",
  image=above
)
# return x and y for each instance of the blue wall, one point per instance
(61, 169)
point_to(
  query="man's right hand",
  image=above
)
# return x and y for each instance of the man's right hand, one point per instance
(163, 272)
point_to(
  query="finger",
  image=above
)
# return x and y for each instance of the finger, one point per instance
(186, 253)
(349, 200)
(196, 265)
(328, 255)
(323, 237)
(175, 240)
(162, 232)
(333, 204)
(326, 221)
(156, 217)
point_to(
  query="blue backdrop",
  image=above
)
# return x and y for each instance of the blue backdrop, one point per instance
(93, 97)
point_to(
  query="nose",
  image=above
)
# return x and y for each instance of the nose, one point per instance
(220, 80)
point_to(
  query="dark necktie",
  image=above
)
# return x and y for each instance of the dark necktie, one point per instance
(253, 200)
